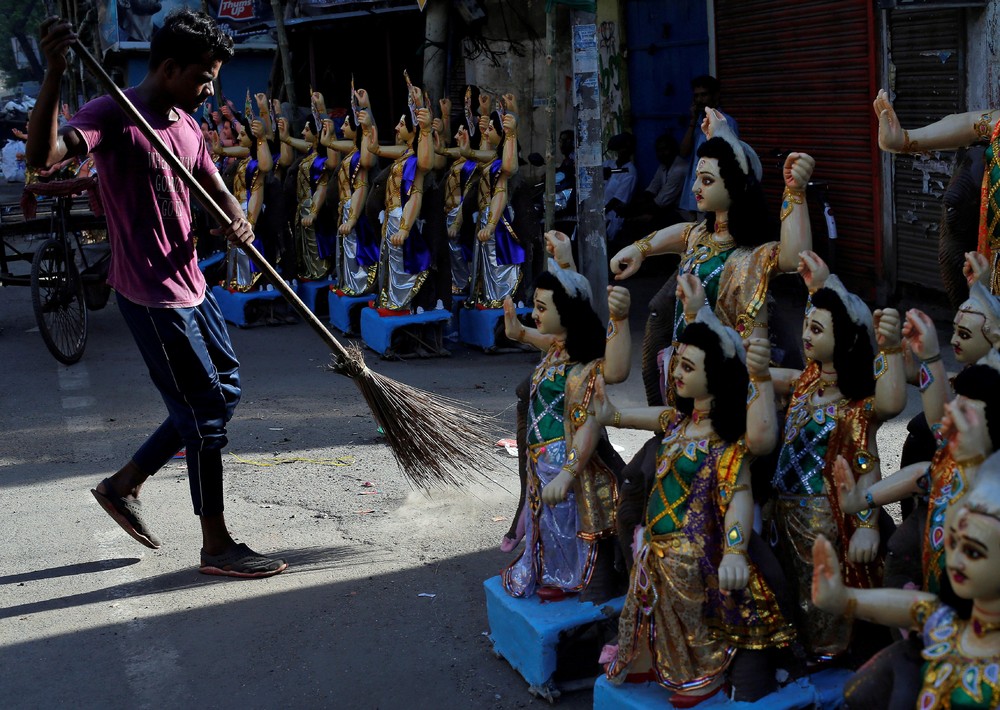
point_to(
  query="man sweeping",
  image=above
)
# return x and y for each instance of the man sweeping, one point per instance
(161, 292)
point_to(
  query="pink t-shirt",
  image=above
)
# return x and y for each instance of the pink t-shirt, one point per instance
(153, 260)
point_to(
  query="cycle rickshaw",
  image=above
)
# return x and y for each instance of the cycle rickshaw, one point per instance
(59, 248)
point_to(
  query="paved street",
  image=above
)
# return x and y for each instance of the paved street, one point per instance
(89, 617)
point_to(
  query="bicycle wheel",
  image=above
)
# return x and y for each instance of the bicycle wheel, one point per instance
(57, 297)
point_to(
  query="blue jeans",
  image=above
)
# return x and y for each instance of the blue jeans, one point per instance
(192, 363)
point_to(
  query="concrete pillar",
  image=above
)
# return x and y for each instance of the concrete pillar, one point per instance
(436, 50)
(591, 232)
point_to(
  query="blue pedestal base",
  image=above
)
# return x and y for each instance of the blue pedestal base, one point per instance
(526, 631)
(344, 312)
(234, 305)
(823, 690)
(313, 294)
(424, 329)
(211, 260)
(478, 328)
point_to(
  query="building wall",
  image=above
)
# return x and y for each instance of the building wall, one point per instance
(984, 57)
(525, 76)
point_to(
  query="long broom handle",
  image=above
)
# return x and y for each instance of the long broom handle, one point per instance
(204, 198)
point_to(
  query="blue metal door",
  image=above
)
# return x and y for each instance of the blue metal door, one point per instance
(667, 47)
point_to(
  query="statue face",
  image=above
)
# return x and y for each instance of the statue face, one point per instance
(689, 373)
(403, 134)
(348, 130)
(817, 335)
(491, 134)
(545, 315)
(462, 137)
(968, 340)
(244, 138)
(972, 548)
(709, 190)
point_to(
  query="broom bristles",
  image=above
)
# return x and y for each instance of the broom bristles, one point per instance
(437, 440)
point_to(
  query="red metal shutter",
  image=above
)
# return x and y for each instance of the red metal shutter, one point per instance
(801, 76)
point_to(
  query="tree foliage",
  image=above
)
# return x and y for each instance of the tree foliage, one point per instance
(19, 21)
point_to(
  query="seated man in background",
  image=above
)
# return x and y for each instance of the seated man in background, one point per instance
(620, 177)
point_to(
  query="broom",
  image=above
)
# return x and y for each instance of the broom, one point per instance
(436, 440)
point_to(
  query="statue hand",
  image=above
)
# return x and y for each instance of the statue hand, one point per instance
(510, 102)
(509, 124)
(364, 118)
(362, 98)
(445, 105)
(484, 234)
(864, 546)
(619, 302)
(559, 247)
(261, 100)
(890, 134)
(967, 421)
(318, 102)
(438, 125)
(734, 573)
(276, 105)
(282, 128)
(417, 95)
(423, 119)
(691, 293)
(758, 357)
(798, 169)
(326, 134)
(399, 237)
(227, 112)
(920, 334)
(513, 328)
(604, 410)
(558, 488)
(813, 270)
(308, 220)
(828, 590)
(849, 493)
(887, 332)
(715, 124)
(456, 227)
(626, 262)
(485, 101)
(976, 268)
(257, 128)
(345, 228)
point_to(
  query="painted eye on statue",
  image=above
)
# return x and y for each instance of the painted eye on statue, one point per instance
(972, 552)
(815, 329)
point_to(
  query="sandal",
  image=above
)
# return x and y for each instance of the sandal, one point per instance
(127, 512)
(241, 561)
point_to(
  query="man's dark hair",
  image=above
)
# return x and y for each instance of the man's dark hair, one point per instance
(188, 37)
(706, 81)
(668, 141)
